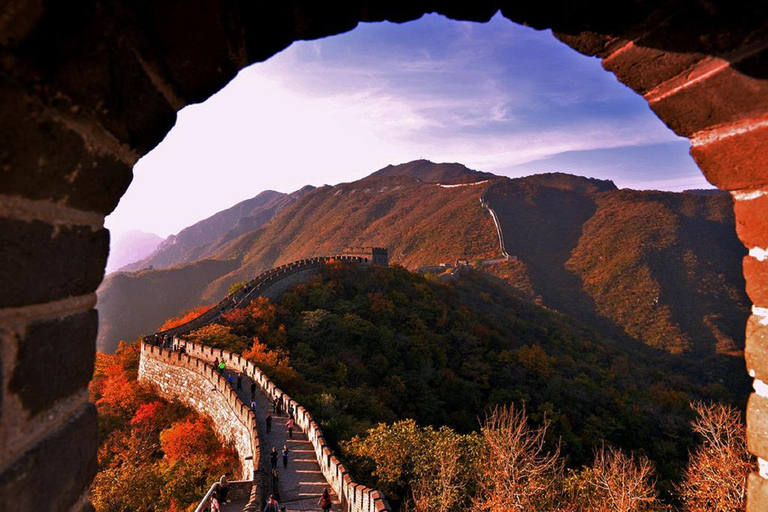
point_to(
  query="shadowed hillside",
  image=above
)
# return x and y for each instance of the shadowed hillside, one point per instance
(663, 268)
(133, 304)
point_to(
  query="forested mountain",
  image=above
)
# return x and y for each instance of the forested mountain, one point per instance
(659, 268)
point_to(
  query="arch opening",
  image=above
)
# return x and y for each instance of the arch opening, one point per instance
(78, 112)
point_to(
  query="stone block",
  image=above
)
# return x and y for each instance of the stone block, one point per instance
(756, 274)
(757, 425)
(41, 263)
(53, 475)
(54, 360)
(752, 221)
(43, 159)
(736, 162)
(756, 348)
(757, 493)
(707, 97)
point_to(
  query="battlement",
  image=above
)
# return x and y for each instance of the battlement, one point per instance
(372, 255)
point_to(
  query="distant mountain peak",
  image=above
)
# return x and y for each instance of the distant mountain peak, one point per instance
(431, 172)
(564, 181)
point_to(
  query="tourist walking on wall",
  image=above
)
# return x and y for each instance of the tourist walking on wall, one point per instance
(285, 457)
(222, 367)
(273, 458)
(223, 488)
(239, 381)
(272, 505)
(289, 424)
(269, 422)
(325, 501)
(216, 363)
(215, 503)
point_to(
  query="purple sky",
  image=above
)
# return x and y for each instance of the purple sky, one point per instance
(496, 97)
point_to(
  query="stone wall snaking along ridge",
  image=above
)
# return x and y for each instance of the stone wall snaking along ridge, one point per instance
(87, 88)
(354, 497)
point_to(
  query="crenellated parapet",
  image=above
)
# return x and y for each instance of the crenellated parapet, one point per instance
(274, 282)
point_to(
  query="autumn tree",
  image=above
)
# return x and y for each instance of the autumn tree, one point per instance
(621, 482)
(716, 476)
(516, 472)
(423, 468)
(185, 317)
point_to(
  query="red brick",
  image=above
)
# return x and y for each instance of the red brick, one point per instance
(756, 274)
(756, 348)
(736, 162)
(724, 97)
(752, 221)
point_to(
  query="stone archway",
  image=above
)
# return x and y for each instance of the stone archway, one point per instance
(86, 88)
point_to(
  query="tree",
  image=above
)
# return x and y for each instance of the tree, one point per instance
(516, 472)
(185, 317)
(716, 476)
(621, 482)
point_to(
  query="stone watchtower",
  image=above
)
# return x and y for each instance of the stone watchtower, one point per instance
(373, 255)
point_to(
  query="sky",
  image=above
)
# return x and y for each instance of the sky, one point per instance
(496, 97)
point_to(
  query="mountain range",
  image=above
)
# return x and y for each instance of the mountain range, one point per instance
(658, 268)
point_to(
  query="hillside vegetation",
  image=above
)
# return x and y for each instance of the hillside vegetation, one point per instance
(359, 346)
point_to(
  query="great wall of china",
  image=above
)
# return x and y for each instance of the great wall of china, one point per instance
(190, 376)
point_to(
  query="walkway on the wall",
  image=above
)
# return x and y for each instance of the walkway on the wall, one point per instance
(302, 483)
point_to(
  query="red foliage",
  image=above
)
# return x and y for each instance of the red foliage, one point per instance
(185, 317)
(148, 415)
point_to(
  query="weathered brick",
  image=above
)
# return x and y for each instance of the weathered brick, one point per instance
(42, 159)
(54, 360)
(723, 97)
(757, 425)
(643, 68)
(735, 162)
(752, 221)
(757, 493)
(756, 274)
(756, 348)
(42, 263)
(53, 475)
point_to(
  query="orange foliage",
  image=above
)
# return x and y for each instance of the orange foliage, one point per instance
(185, 317)
(275, 363)
(116, 389)
(188, 438)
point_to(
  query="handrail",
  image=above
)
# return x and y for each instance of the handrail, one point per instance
(203, 506)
